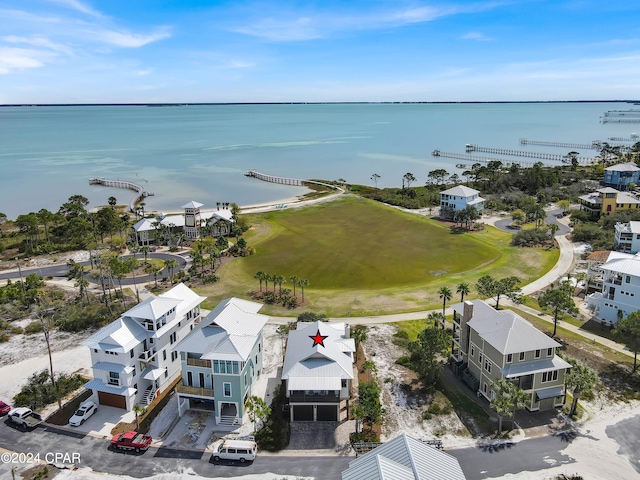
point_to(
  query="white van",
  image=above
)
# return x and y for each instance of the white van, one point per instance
(241, 450)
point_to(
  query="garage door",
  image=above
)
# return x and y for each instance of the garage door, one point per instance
(327, 413)
(112, 400)
(302, 413)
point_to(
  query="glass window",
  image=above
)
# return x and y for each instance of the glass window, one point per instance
(549, 352)
(537, 353)
(235, 368)
(227, 389)
(216, 368)
(521, 356)
(509, 358)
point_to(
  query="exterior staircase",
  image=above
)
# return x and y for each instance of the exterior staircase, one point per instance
(228, 420)
(149, 395)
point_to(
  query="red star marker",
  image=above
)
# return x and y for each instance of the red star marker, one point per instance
(318, 339)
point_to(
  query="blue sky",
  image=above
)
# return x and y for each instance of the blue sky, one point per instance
(107, 51)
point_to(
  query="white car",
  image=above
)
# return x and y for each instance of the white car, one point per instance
(83, 413)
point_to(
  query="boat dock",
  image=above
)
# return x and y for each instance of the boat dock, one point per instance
(632, 138)
(273, 179)
(471, 159)
(524, 153)
(141, 193)
(621, 116)
(594, 145)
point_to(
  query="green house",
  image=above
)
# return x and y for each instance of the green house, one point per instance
(221, 359)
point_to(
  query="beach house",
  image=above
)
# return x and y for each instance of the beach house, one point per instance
(622, 176)
(607, 201)
(318, 370)
(458, 198)
(134, 358)
(405, 458)
(490, 344)
(627, 237)
(221, 359)
(620, 293)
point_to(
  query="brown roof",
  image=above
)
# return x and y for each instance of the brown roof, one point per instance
(599, 256)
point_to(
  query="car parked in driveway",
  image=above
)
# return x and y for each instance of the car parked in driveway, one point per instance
(83, 413)
(4, 408)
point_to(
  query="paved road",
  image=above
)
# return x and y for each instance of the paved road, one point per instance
(62, 269)
(552, 219)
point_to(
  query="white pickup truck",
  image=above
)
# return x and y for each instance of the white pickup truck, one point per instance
(25, 417)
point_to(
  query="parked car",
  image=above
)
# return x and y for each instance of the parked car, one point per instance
(131, 441)
(4, 408)
(82, 413)
(25, 417)
(235, 450)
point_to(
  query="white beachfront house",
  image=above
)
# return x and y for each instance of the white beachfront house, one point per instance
(620, 293)
(134, 358)
(221, 360)
(459, 198)
(628, 237)
(318, 370)
(192, 224)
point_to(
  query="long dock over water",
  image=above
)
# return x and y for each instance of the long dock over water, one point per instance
(274, 179)
(594, 145)
(524, 153)
(471, 159)
(141, 192)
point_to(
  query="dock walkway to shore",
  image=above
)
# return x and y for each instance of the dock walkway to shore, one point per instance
(141, 192)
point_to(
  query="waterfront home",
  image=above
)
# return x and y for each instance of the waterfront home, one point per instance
(595, 274)
(620, 294)
(458, 198)
(607, 201)
(221, 359)
(192, 224)
(318, 370)
(623, 176)
(490, 344)
(406, 458)
(627, 237)
(133, 358)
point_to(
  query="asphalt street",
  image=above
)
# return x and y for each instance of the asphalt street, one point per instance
(62, 269)
(505, 224)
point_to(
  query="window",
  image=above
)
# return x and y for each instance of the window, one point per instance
(509, 358)
(521, 356)
(550, 376)
(114, 378)
(343, 384)
(133, 372)
(480, 358)
(216, 367)
(227, 389)
(549, 352)
(174, 356)
(229, 362)
(487, 365)
(131, 353)
(627, 279)
(166, 373)
(235, 368)
(95, 350)
(164, 354)
(537, 354)
(259, 347)
(189, 379)
(473, 350)
(484, 388)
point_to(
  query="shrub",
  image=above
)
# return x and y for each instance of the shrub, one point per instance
(33, 327)
(274, 434)
(39, 392)
(435, 409)
(405, 361)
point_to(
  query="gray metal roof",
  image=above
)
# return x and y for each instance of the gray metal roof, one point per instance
(624, 167)
(112, 367)
(629, 265)
(120, 336)
(152, 308)
(549, 392)
(505, 330)
(537, 366)
(404, 458)
(303, 359)
(460, 191)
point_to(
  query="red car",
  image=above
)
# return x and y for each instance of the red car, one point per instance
(4, 408)
(131, 441)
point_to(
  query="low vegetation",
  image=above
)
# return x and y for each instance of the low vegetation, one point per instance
(39, 392)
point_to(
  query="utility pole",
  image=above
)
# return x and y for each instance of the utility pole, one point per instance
(21, 279)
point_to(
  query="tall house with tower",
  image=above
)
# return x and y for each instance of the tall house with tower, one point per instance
(192, 219)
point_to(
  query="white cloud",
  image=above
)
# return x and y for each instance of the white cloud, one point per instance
(79, 6)
(477, 36)
(13, 59)
(38, 42)
(126, 39)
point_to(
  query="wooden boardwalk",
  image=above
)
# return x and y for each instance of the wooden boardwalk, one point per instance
(141, 192)
(523, 153)
(594, 145)
(274, 179)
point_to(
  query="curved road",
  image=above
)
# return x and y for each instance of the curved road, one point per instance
(61, 270)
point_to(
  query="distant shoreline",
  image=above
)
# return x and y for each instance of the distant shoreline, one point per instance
(184, 104)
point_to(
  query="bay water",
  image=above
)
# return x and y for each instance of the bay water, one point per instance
(201, 152)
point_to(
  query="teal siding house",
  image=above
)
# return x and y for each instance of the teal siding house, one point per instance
(221, 358)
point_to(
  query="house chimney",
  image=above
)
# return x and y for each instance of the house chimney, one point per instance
(467, 313)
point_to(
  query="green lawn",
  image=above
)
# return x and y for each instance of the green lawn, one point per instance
(364, 258)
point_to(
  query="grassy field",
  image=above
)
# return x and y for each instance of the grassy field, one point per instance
(364, 258)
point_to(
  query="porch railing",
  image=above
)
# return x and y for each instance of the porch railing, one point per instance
(200, 392)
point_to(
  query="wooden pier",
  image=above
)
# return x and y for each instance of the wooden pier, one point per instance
(594, 145)
(471, 159)
(273, 179)
(524, 153)
(141, 193)
(621, 116)
(632, 138)
(620, 120)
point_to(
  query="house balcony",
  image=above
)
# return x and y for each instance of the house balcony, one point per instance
(196, 362)
(298, 396)
(147, 354)
(616, 280)
(195, 391)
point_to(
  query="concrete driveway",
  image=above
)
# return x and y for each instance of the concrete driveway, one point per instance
(102, 422)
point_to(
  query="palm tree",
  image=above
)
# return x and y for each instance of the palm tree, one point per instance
(508, 399)
(139, 411)
(294, 280)
(154, 270)
(260, 276)
(359, 335)
(267, 278)
(463, 289)
(303, 282)
(436, 318)
(582, 379)
(445, 294)
(170, 264)
(145, 249)
(113, 202)
(279, 279)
